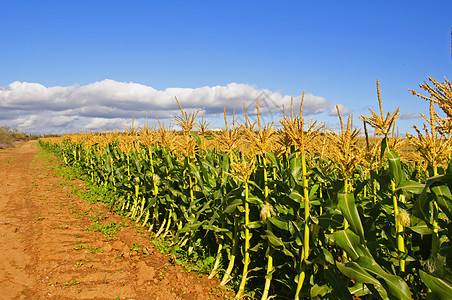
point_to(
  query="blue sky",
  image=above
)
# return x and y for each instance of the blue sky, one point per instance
(61, 60)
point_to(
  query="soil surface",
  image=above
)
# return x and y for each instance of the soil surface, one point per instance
(50, 249)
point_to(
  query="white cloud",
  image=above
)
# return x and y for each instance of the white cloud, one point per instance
(34, 108)
(343, 110)
(410, 115)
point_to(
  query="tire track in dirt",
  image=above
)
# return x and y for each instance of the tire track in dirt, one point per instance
(48, 249)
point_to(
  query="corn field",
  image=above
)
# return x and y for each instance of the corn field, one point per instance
(293, 211)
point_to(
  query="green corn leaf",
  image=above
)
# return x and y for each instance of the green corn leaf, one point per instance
(439, 287)
(273, 159)
(411, 186)
(297, 233)
(332, 221)
(196, 138)
(276, 242)
(443, 198)
(421, 228)
(313, 191)
(350, 212)
(421, 206)
(196, 172)
(190, 228)
(296, 196)
(319, 291)
(339, 285)
(395, 166)
(356, 272)
(395, 285)
(232, 206)
(215, 228)
(384, 145)
(359, 289)
(255, 224)
(328, 256)
(279, 222)
(295, 168)
(348, 240)
(255, 201)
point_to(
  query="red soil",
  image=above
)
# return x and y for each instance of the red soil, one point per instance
(46, 253)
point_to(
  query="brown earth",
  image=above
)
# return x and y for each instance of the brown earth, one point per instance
(46, 251)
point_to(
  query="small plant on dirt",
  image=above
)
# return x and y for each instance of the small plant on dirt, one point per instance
(78, 264)
(73, 282)
(109, 229)
(80, 246)
(134, 247)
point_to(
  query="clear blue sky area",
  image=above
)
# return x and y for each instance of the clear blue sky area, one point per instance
(331, 49)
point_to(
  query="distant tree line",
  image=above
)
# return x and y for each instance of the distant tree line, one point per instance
(11, 137)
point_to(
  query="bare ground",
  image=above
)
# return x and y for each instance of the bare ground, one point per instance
(47, 253)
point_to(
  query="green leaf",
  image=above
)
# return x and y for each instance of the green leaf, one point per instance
(276, 242)
(395, 166)
(272, 158)
(196, 138)
(296, 196)
(190, 228)
(356, 272)
(339, 285)
(328, 256)
(395, 285)
(255, 201)
(421, 206)
(411, 186)
(443, 198)
(384, 145)
(347, 240)
(421, 228)
(350, 212)
(359, 289)
(232, 206)
(255, 224)
(214, 228)
(319, 291)
(279, 222)
(295, 168)
(440, 287)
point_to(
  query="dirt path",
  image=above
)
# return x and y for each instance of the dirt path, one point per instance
(49, 248)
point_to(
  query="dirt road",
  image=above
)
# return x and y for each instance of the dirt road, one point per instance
(51, 246)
